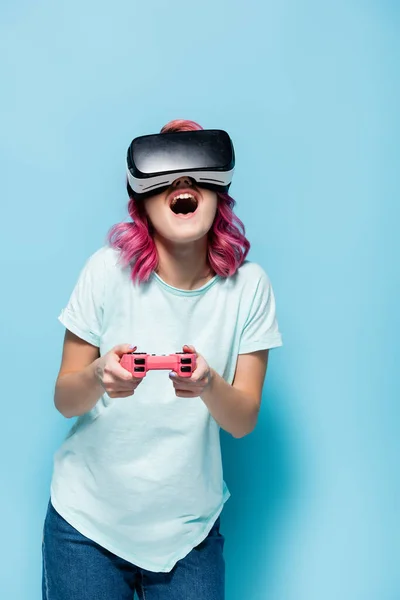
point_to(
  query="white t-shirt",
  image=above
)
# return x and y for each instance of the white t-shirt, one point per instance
(142, 476)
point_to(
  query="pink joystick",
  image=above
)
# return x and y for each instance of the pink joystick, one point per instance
(138, 363)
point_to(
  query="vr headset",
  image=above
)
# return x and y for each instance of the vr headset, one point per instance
(154, 162)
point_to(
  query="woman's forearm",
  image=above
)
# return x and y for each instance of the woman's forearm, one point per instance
(77, 393)
(234, 411)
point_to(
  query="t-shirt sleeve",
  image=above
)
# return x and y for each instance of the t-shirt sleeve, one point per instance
(261, 331)
(83, 314)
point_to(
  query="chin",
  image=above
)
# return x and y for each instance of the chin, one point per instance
(180, 237)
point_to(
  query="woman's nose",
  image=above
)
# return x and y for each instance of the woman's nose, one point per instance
(182, 182)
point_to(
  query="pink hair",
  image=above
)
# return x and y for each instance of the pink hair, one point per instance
(227, 243)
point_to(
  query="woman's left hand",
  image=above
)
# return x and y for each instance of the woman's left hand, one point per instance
(191, 387)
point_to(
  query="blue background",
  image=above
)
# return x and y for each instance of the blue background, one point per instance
(310, 94)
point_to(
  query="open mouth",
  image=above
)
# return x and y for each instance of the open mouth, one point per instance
(183, 204)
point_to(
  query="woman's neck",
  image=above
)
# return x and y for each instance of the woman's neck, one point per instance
(183, 266)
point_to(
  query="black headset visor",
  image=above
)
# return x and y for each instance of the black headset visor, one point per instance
(154, 162)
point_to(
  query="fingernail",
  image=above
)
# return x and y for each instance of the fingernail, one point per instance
(172, 374)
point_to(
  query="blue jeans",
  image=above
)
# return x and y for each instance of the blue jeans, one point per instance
(76, 568)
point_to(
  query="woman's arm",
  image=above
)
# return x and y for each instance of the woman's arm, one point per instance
(235, 407)
(84, 376)
(77, 388)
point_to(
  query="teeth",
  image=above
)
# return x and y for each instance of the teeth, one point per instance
(183, 197)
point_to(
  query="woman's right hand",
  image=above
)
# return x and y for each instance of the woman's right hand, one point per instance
(115, 380)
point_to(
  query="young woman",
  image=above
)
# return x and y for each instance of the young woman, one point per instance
(137, 488)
